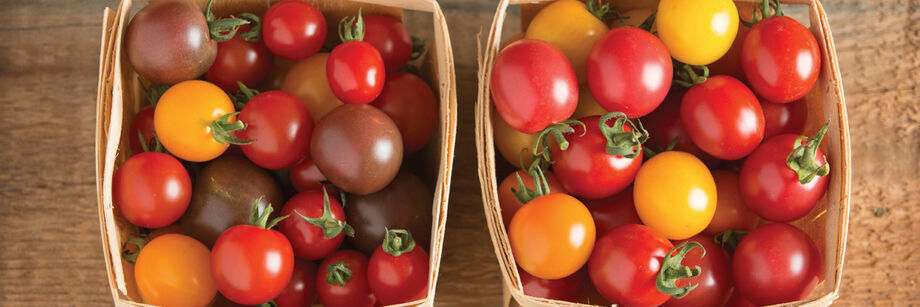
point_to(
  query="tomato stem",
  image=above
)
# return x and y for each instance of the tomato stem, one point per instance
(767, 9)
(153, 93)
(620, 142)
(261, 220)
(243, 95)
(672, 271)
(418, 48)
(255, 27)
(802, 158)
(730, 239)
(338, 273)
(600, 9)
(648, 22)
(269, 304)
(352, 28)
(223, 29)
(127, 254)
(331, 226)
(686, 74)
(222, 130)
(558, 131)
(398, 241)
(540, 184)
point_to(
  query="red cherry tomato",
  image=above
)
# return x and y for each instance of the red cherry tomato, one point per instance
(151, 189)
(293, 29)
(306, 176)
(776, 263)
(390, 38)
(279, 126)
(613, 211)
(781, 59)
(722, 117)
(143, 123)
(322, 235)
(780, 118)
(715, 279)
(564, 289)
(586, 170)
(629, 70)
(252, 264)
(737, 300)
(772, 189)
(664, 126)
(533, 85)
(398, 269)
(342, 281)
(301, 290)
(411, 104)
(239, 60)
(355, 69)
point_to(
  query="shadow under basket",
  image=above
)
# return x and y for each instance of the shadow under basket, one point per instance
(826, 224)
(120, 97)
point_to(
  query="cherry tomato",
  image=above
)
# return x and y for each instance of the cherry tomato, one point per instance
(697, 32)
(586, 170)
(398, 270)
(510, 203)
(587, 106)
(240, 60)
(316, 226)
(355, 69)
(737, 300)
(390, 38)
(552, 236)
(293, 29)
(306, 176)
(780, 118)
(168, 42)
(184, 120)
(533, 85)
(613, 211)
(175, 270)
(279, 126)
(143, 124)
(722, 117)
(773, 189)
(629, 70)
(675, 194)
(714, 284)
(411, 104)
(573, 37)
(301, 290)
(405, 204)
(342, 281)
(564, 289)
(151, 189)
(252, 264)
(731, 212)
(664, 126)
(781, 59)
(307, 80)
(513, 145)
(776, 263)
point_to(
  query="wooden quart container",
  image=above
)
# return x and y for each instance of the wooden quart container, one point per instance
(826, 224)
(120, 97)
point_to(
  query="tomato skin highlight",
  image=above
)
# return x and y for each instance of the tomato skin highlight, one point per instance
(552, 236)
(723, 117)
(239, 60)
(167, 42)
(183, 116)
(675, 194)
(151, 189)
(251, 265)
(664, 125)
(629, 246)
(715, 279)
(778, 257)
(697, 32)
(533, 85)
(356, 72)
(279, 126)
(398, 279)
(390, 38)
(293, 29)
(174, 270)
(781, 59)
(307, 239)
(356, 292)
(586, 170)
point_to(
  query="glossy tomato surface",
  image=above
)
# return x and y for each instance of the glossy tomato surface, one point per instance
(778, 257)
(308, 240)
(301, 290)
(586, 170)
(613, 211)
(510, 203)
(409, 101)
(552, 236)
(675, 194)
(174, 270)
(398, 279)
(633, 246)
(355, 291)
(564, 289)
(183, 116)
(664, 125)
(403, 204)
(781, 118)
(781, 59)
(731, 211)
(251, 265)
(279, 126)
(356, 72)
(723, 117)
(168, 42)
(240, 60)
(574, 37)
(697, 32)
(391, 39)
(306, 79)
(293, 29)
(715, 279)
(151, 189)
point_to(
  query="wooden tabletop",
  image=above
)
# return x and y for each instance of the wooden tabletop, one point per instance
(50, 248)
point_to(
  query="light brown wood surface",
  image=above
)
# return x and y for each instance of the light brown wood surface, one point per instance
(50, 247)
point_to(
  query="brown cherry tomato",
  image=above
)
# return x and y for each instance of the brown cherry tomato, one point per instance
(307, 80)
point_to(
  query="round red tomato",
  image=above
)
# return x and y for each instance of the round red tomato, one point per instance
(776, 263)
(240, 60)
(390, 38)
(252, 264)
(780, 118)
(398, 269)
(342, 281)
(629, 70)
(293, 29)
(316, 226)
(586, 169)
(306, 176)
(151, 189)
(714, 284)
(564, 289)
(663, 126)
(781, 59)
(411, 104)
(773, 189)
(613, 211)
(143, 124)
(533, 85)
(722, 117)
(301, 290)
(355, 69)
(279, 126)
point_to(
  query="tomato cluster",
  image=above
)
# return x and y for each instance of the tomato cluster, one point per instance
(668, 186)
(216, 164)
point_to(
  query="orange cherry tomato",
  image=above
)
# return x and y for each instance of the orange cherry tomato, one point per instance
(183, 120)
(675, 194)
(552, 236)
(510, 203)
(307, 80)
(731, 212)
(175, 270)
(511, 143)
(568, 25)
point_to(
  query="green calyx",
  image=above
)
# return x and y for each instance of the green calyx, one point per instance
(540, 184)
(150, 145)
(131, 256)
(261, 220)
(620, 142)
(730, 239)
(767, 9)
(672, 271)
(255, 27)
(243, 95)
(331, 226)
(338, 273)
(558, 131)
(649, 21)
(398, 241)
(599, 9)
(153, 93)
(223, 29)
(352, 28)
(269, 304)
(222, 129)
(686, 75)
(418, 48)
(802, 158)
(648, 152)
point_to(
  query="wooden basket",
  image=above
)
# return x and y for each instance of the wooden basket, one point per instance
(119, 98)
(826, 224)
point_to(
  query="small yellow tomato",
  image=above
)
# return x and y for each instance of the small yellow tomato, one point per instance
(675, 194)
(697, 32)
(587, 106)
(512, 144)
(307, 80)
(552, 236)
(175, 270)
(183, 120)
(568, 25)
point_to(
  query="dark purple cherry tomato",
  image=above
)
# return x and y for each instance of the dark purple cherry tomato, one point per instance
(168, 41)
(722, 117)
(409, 101)
(279, 126)
(405, 204)
(240, 60)
(390, 38)
(780, 59)
(293, 29)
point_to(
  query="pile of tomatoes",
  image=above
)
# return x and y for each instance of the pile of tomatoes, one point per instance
(645, 177)
(251, 194)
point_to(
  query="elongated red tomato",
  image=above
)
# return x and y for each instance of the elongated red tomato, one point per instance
(151, 189)
(316, 226)
(294, 29)
(533, 85)
(722, 117)
(629, 70)
(342, 281)
(780, 59)
(776, 263)
(398, 270)
(586, 170)
(390, 38)
(279, 126)
(355, 69)
(714, 284)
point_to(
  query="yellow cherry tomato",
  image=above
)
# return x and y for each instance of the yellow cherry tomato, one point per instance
(568, 25)
(183, 120)
(675, 194)
(307, 80)
(697, 32)
(175, 270)
(587, 106)
(512, 144)
(552, 236)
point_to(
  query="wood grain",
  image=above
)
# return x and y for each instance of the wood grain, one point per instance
(50, 248)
